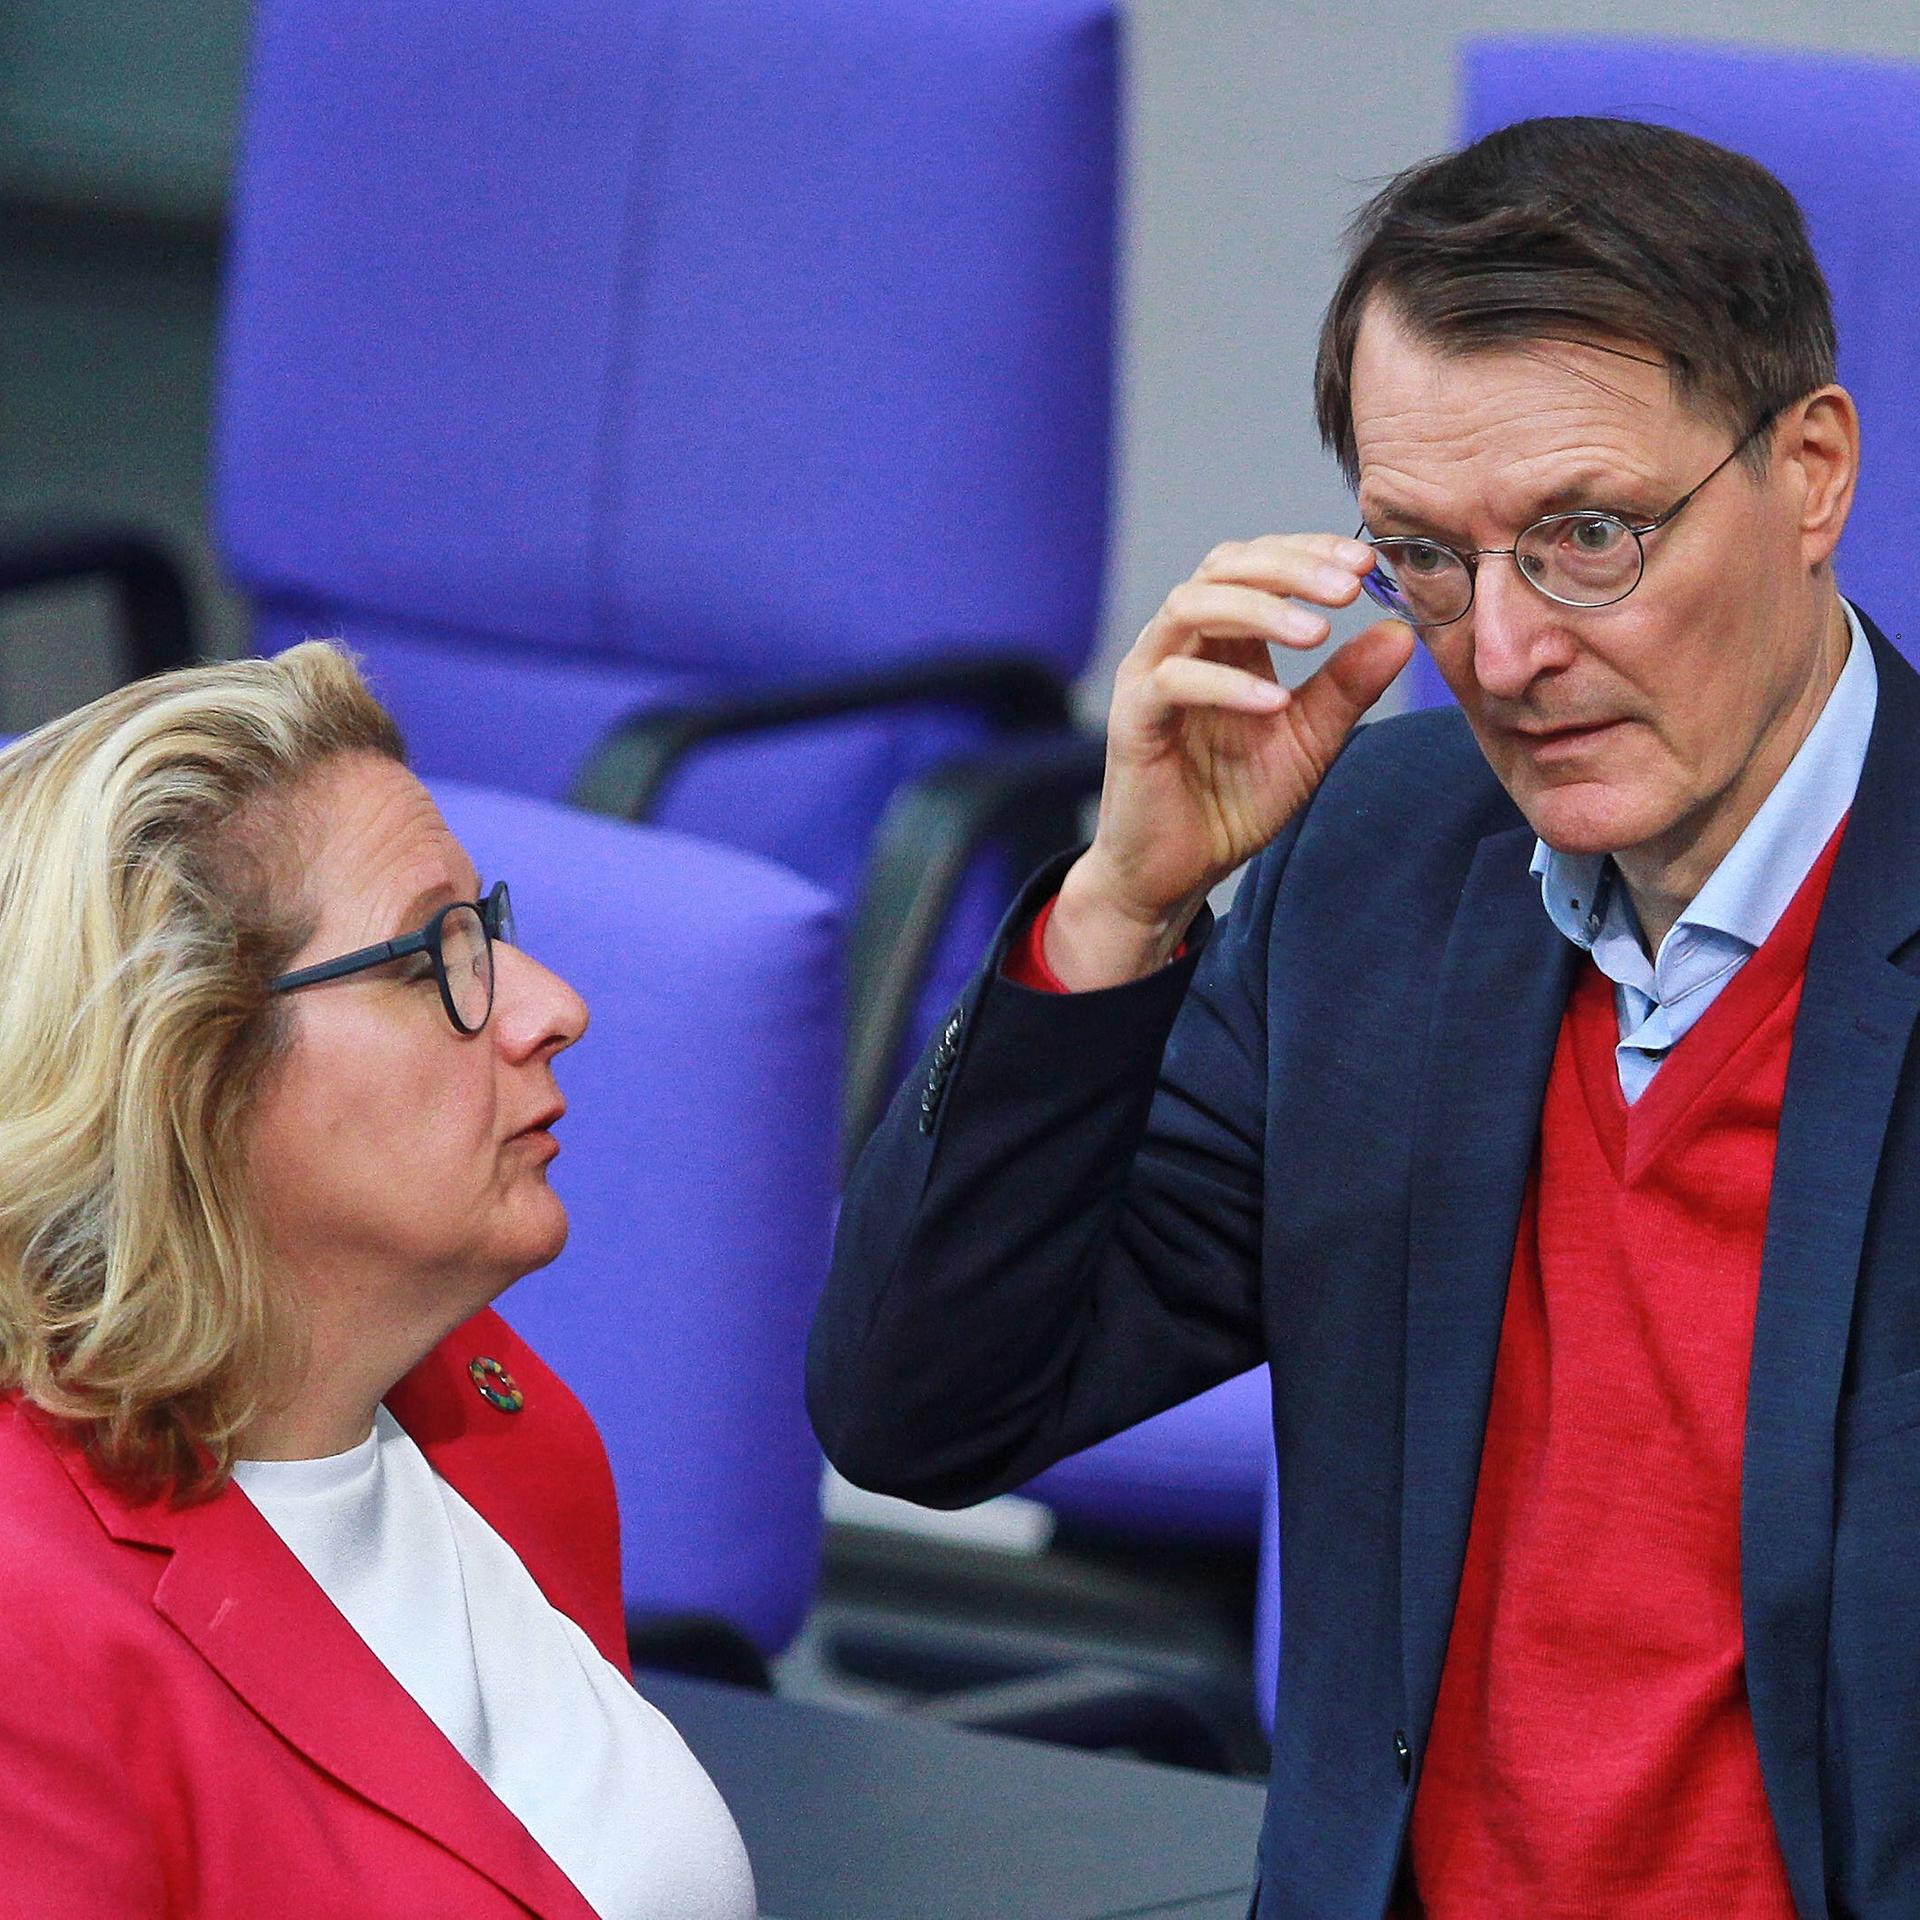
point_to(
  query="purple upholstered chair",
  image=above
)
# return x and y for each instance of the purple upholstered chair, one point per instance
(698, 408)
(698, 1167)
(1266, 1605)
(1844, 135)
(1190, 1475)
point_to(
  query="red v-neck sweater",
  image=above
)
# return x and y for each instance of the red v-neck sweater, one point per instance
(1592, 1753)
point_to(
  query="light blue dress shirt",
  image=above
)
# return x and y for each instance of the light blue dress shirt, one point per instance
(1658, 1001)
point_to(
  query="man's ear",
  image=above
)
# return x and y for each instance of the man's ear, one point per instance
(1819, 443)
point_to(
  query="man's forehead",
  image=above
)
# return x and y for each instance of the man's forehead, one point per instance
(1521, 427)
(1397, 369)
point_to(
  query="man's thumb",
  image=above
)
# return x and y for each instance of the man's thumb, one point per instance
(1329, 704)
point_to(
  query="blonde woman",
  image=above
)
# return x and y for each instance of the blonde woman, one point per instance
(308, 1568)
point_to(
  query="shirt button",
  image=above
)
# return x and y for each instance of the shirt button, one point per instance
(1404, 1755)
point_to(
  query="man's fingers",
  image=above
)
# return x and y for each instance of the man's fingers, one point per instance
(1251, 590)
(1328, 706)
(1324, 566)
(1183, 680)
(1206, 609)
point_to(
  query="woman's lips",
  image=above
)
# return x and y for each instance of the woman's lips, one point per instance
(537, 1132)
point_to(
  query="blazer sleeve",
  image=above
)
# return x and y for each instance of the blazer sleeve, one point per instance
(1056, 1230)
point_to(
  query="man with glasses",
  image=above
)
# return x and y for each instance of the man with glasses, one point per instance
(1542, 1111)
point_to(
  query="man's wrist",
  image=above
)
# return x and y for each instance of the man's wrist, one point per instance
(1091, 940)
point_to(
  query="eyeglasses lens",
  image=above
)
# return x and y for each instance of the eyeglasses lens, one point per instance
(1424, 584)
(1578, 559)
(1581, 559)
(468, 960)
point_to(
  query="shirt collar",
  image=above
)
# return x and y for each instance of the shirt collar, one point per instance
(1750, 889)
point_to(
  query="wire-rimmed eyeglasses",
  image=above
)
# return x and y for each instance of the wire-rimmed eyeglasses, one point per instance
(1584, 558)
(458, 942)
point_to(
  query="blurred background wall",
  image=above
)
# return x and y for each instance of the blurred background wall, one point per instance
(1254, 129)
(116, 141)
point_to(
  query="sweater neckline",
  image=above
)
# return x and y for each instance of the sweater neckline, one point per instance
(1635, 1135)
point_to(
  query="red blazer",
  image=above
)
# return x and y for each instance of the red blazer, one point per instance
(190, 1728)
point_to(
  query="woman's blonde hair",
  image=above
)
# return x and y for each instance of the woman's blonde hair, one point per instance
(147, 898)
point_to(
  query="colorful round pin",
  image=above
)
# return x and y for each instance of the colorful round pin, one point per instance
(496, 1385)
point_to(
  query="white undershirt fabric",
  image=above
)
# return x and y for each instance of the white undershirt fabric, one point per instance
(596, 1775)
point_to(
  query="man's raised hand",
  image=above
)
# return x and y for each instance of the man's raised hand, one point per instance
(1208, 756)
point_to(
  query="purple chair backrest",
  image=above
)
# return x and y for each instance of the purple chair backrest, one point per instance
(588, 357)
(1844, 136)
(698, 1167)
(738, 337)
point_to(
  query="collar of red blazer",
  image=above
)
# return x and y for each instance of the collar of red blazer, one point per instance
(235, 1593)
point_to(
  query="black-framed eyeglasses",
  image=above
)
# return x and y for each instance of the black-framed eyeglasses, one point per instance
(458, 942)
(1584, 558)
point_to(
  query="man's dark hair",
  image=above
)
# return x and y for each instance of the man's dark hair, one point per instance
(1579, 229)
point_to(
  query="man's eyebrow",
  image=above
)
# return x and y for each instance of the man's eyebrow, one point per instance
(1603, 491)
(1397, 522)
(1598, 490)
(1392, 522)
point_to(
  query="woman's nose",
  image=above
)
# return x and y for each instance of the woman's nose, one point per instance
(533, 1008)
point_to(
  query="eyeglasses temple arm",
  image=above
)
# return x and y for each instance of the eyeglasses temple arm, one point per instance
(356, 962)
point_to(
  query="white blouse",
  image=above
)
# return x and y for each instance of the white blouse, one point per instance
(596, 1775)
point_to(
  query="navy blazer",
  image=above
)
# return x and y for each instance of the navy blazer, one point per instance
(1307, 1142)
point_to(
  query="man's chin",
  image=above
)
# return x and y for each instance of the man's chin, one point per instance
(1586, 817)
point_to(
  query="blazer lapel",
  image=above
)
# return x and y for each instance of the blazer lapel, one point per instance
(1857, 1014)
(1503, 987)
(240, 1598)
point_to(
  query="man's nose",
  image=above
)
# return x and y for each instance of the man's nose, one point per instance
(1518, 633)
